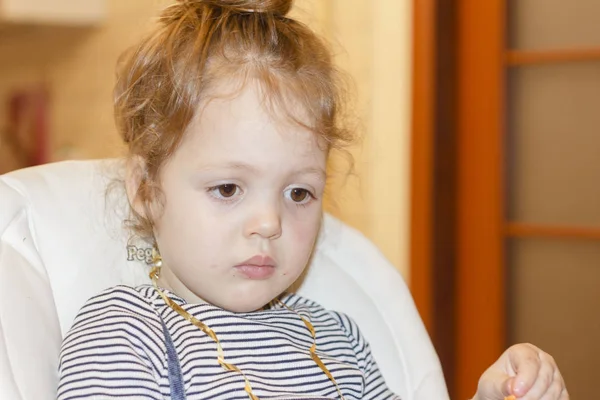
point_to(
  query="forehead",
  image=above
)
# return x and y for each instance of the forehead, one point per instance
(243, 127)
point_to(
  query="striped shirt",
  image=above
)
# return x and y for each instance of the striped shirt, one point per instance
(116, 349)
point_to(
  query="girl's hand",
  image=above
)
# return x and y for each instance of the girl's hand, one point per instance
(524, 372)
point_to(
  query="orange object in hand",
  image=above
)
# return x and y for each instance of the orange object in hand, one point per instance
(511, 397)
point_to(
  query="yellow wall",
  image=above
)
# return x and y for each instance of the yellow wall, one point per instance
(371, 38)
(375, 40)
(78, 65)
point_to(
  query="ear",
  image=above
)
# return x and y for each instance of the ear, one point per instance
(134, 175)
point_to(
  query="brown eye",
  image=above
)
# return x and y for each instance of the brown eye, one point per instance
(227, 190)
(299, 195)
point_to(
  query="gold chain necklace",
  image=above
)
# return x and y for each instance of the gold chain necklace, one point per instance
(154, 275)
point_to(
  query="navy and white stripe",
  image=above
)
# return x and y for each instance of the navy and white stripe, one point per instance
(116, 349)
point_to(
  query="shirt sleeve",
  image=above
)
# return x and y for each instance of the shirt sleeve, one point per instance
(375, 387)
(113, 350)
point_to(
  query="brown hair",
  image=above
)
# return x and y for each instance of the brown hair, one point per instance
(162, 81)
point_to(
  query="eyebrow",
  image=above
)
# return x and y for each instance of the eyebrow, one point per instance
(247, 167)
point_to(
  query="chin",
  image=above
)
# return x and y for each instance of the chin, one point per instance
(246, 303)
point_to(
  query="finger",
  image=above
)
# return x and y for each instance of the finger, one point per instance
(496, 385)
(564, 395)
(554, 391)
(527, 364)
(558, 376)
(557, 389)
(506, 388)
(543, 381)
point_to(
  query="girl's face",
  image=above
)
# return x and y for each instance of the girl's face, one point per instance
(243, 196)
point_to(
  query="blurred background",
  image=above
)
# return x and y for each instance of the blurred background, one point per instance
(478, 174)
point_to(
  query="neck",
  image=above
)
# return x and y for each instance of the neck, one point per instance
(168, 280)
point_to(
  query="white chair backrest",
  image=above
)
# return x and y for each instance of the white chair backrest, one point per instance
(62, 241)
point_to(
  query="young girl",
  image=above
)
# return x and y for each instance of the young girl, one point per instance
(230, 110)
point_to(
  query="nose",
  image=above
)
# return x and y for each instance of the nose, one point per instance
(265, 222)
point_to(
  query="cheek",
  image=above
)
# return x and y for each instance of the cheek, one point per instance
(188, 221)
(304, 233)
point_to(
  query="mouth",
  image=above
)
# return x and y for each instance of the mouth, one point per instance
(259, 267)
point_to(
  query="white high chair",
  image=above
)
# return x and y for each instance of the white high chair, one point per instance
(62, 241)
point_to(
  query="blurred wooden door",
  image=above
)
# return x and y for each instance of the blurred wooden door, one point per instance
(525, 182)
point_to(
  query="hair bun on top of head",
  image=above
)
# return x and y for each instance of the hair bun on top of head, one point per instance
(274, 7)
